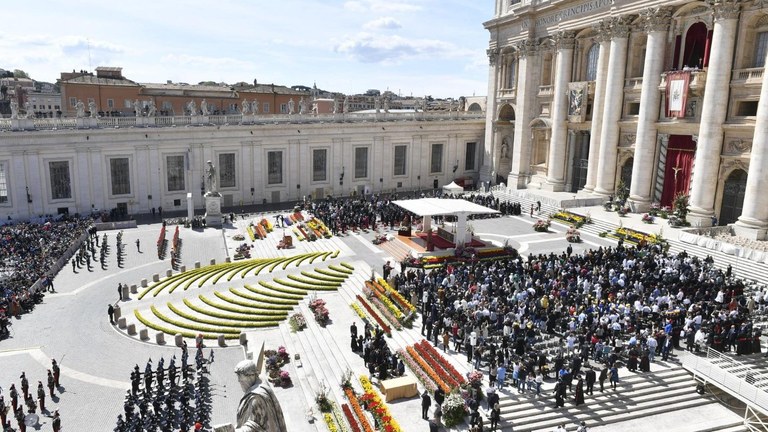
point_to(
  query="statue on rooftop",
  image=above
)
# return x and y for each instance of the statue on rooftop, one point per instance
(151, 108)
(346, 104)
(192, 108)
(210, 178)
(80, 109)
(204, 107)
(93, 109)
(246, 106)
(291, 106)
(14, 109)
(255, 106)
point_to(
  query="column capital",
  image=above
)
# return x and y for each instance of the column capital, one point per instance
(602, 31)
(565, 40)
(526, 48)
(493, 55)
(656, 19)
(619, 27)
(725, 9)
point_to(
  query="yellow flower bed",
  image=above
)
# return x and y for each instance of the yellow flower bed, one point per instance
(400, 299)
(377, 407)
(359, 311)
(260, 309)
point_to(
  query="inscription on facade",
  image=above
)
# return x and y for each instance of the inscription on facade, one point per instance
(570, 12)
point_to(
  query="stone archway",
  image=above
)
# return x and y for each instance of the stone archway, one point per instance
(475, 107)
(506, 113)
(733, 197)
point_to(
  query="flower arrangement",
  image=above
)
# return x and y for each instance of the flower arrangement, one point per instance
(648, 218)
(623, 210)
(404, 304)
(377, 407)
(369, 310)
(322, 399)
(433, 380)
(238, 237)
(664, 212)
(429, 350)
(358, 411)
(454, 410)
(350, 418)
(570, 217)
(285, 378)
(541, 225)
(417, 370)
(573, 235)
(317, 306)
(655, 209)
(475, 379)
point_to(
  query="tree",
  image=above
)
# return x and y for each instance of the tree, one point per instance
(18, 73)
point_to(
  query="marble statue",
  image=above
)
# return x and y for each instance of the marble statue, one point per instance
(259, 410)
(505, 149)
(291, 106)
(377, 104)
(80, 108)
(192, 108)
(28, 109)
(204, 107)
(210, 178)
(346, 104)
(246, 107)
(386, 104)
(335, 106)
(424, 104)
(151, 108)
(14, 109)
(137, 108)
(255, 106)
(92, 108)
(302, 106)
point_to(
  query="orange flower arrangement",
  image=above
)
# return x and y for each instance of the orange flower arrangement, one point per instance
(377, 407)
(433, 375)
(358, 410)
(432, 353)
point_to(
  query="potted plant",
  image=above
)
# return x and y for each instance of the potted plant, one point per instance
(285, 379)
(573, 235)
(541, 225)
(648, 218)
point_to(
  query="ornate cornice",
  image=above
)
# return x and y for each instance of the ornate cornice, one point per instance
(565, 40)
(725, 9)
(619, 27)
(493, 55)
(738, 146)
(526, 47)
(656, 19)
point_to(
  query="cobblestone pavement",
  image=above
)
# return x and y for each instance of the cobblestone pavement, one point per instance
(71, 325)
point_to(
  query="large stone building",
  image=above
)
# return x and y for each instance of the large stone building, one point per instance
(667, 95)
(136, 163)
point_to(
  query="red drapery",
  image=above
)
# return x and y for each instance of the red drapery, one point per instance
(680, 154)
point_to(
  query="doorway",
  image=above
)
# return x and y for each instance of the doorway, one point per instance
(733, 197)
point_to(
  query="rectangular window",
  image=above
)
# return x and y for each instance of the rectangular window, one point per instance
(401, 157)
(284, 108)
(3, 184)
(361, 162)
(319, 165)
(274, 167)
(127, 103)
(436, 161)
(120, 174)
(227, 170)
(167, 105)
(265, 107)
(175, 168)
(761, 49)
(110, 103)
(469, 158)
(60, 181)
(73, 102)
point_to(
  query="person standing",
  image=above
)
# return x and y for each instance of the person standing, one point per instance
(603, 377)
(3, 411)
(41, 396)
(14, 397)
(24, 385)
(138, 245)
(56, 372)
(590, 379)
(614, 376)
(20, 420)
(111, 313)
(559, 393)
(579, 393)
(495, 417)
(56, 421)
(426, 402)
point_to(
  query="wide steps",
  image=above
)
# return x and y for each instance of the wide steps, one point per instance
(637, 394)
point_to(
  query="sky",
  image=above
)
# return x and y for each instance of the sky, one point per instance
(411, 47)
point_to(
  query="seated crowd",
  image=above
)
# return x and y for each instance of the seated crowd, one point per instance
(28, 252)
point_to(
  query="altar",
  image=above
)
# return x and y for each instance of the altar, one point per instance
(398, 388)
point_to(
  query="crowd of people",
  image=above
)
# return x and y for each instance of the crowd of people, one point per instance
(170, 397)
(32, 399)
(29, 252)
(609, 307)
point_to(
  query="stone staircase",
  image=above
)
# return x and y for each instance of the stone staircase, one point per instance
(638, 396)
(396, 249)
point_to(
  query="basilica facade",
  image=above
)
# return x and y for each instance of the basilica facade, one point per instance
(668, 97)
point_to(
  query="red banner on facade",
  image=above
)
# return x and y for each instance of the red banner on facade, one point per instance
(677, 93)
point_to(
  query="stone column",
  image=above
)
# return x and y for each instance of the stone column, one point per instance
(713, 112)
(525, 92)
(614, 97)
(656, 24)
(565, 42)
(753, 222)
(597, 106)
(490, 116)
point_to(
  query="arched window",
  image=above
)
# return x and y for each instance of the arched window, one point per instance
(761, 48)
(695, 46)
(594, 50)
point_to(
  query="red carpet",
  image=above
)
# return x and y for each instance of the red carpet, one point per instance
(442, 243)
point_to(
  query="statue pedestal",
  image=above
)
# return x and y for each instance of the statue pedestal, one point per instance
(213, 214)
